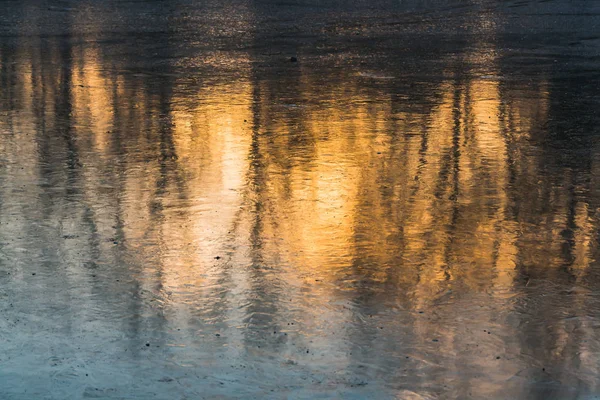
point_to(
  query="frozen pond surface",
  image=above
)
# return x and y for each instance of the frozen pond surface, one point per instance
(409, 211)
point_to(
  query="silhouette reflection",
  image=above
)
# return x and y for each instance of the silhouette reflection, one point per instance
(184, 205)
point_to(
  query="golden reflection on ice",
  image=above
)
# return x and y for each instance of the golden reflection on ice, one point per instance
(242, 203)
(327, 183)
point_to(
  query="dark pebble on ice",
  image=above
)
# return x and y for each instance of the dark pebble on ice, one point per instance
(147, 344)
(33, 273)
(218, 334)
(293, 59)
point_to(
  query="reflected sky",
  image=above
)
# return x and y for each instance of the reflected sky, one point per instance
(409, 211)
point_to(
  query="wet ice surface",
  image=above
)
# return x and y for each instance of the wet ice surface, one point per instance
(409, 211)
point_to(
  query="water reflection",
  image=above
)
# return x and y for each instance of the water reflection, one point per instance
(212, 218)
